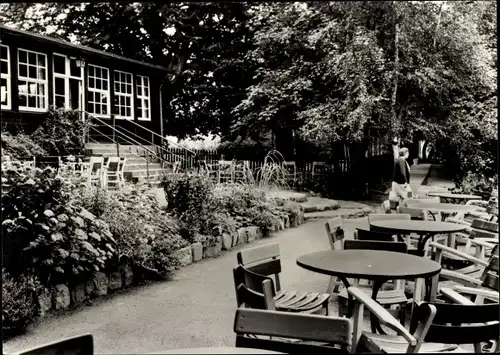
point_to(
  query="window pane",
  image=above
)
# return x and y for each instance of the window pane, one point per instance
(32, 58)
(60, 101)
(98, 84)
(146, 104)
(74, 70)
(59, 86)
(23, 70)
(91, 71)
(3, 91)
(23, 56)
(146, 91)
(4, 68)
(3, 52)
(32, 88)
(59, 64)
(127, 101)
(32, 72)
(104, 99)
(22, 87)
(129, 113)
(23, 100)
(122, 88)
(139, 90)
(97, 97)
(91, 83)
(41, 89)
(32, 101)
(129, 89)
(105, 85)
(98, 72)
(91, 108)
(117, 87)
(104, 109)
(41, 73)
(41, 60)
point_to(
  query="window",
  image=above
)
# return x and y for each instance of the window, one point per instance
(32, 85)
(143, 101)
(5, 94)
(124, 95)
(68, 88)
(98, 101)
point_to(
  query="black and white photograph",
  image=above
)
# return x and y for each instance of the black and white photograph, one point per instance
(241, 177)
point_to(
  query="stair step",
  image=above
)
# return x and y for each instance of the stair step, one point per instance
(143, 166)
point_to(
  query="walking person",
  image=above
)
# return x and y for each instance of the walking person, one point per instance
(401, 177)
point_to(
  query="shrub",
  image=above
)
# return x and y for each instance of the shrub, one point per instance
(44, 234)
(62, 132)
(20, 146)
(474, 183)
(144, 232)
(20, 304)
(190, 200)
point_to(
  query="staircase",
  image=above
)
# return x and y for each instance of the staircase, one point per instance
(140, 166)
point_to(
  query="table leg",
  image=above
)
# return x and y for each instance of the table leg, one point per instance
(421, 243)
(350, 300)
(374, 322)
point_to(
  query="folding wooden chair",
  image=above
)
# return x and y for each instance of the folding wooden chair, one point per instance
(112, 172)
(291, 333)
(77, 345)
(95, 172)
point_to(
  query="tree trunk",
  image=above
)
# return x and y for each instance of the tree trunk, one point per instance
(437, 26)
(394, 117)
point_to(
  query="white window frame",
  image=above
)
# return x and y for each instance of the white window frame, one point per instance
(119, 94)
(7, 106)
(101, 91)
(28, 80)
(141, 81)
(66, 77)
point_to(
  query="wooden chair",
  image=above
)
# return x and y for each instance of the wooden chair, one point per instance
(77, 345)
(240, 171)
(113, 172)
(363, 234)
(481, 273)
(265, 260)
(95, 172)
(416, 214)
(291, 169)
(292, 333)
(388, 297)
(418, 201)
(335, 233)
(435, 327)
(318, 168)
(372, 217)
(213, 174)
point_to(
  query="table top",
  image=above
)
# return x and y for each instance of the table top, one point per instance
(218, 350)
(369, 264)
(458, 196)
(445, 207)
(419, 226)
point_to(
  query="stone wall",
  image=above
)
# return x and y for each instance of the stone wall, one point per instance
(64, 296)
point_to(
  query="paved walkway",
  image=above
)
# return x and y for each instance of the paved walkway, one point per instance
(195, 309)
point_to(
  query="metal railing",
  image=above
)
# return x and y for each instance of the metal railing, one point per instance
(125, 135)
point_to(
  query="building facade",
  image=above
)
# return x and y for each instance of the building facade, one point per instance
(38, 72)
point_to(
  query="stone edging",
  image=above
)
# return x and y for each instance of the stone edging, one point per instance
(62, 296)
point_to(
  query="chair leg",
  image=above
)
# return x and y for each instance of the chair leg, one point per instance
(402, 314)
(342, 306)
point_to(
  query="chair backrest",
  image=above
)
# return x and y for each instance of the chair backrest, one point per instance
(324, 335)
(253, 290)
(77, 345)
(372, 217)
(363, 234)
(485, 225)
(335, 232)
(96, 163)
(459, 324)
(415, 213)
(398, 247)
(490, 275)
(262, 259)
(113, 164)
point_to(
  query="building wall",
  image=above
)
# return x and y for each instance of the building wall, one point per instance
(15, 118)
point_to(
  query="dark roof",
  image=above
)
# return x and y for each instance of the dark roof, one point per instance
(82, 48)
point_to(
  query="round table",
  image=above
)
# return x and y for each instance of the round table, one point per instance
(424, 229)
(445, 208)
(378, 266)
(451, 198)
(218, 350)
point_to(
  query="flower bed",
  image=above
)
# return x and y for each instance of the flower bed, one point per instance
(74, 243)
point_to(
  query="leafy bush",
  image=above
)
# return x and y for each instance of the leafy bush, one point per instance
(62, 132)
(20, 146)
(44, 234)
(474, 183)
(189, 198)
(19, 302)
(144, 232)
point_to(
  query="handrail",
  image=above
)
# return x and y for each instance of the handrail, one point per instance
(156, 134)
(117, 130)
